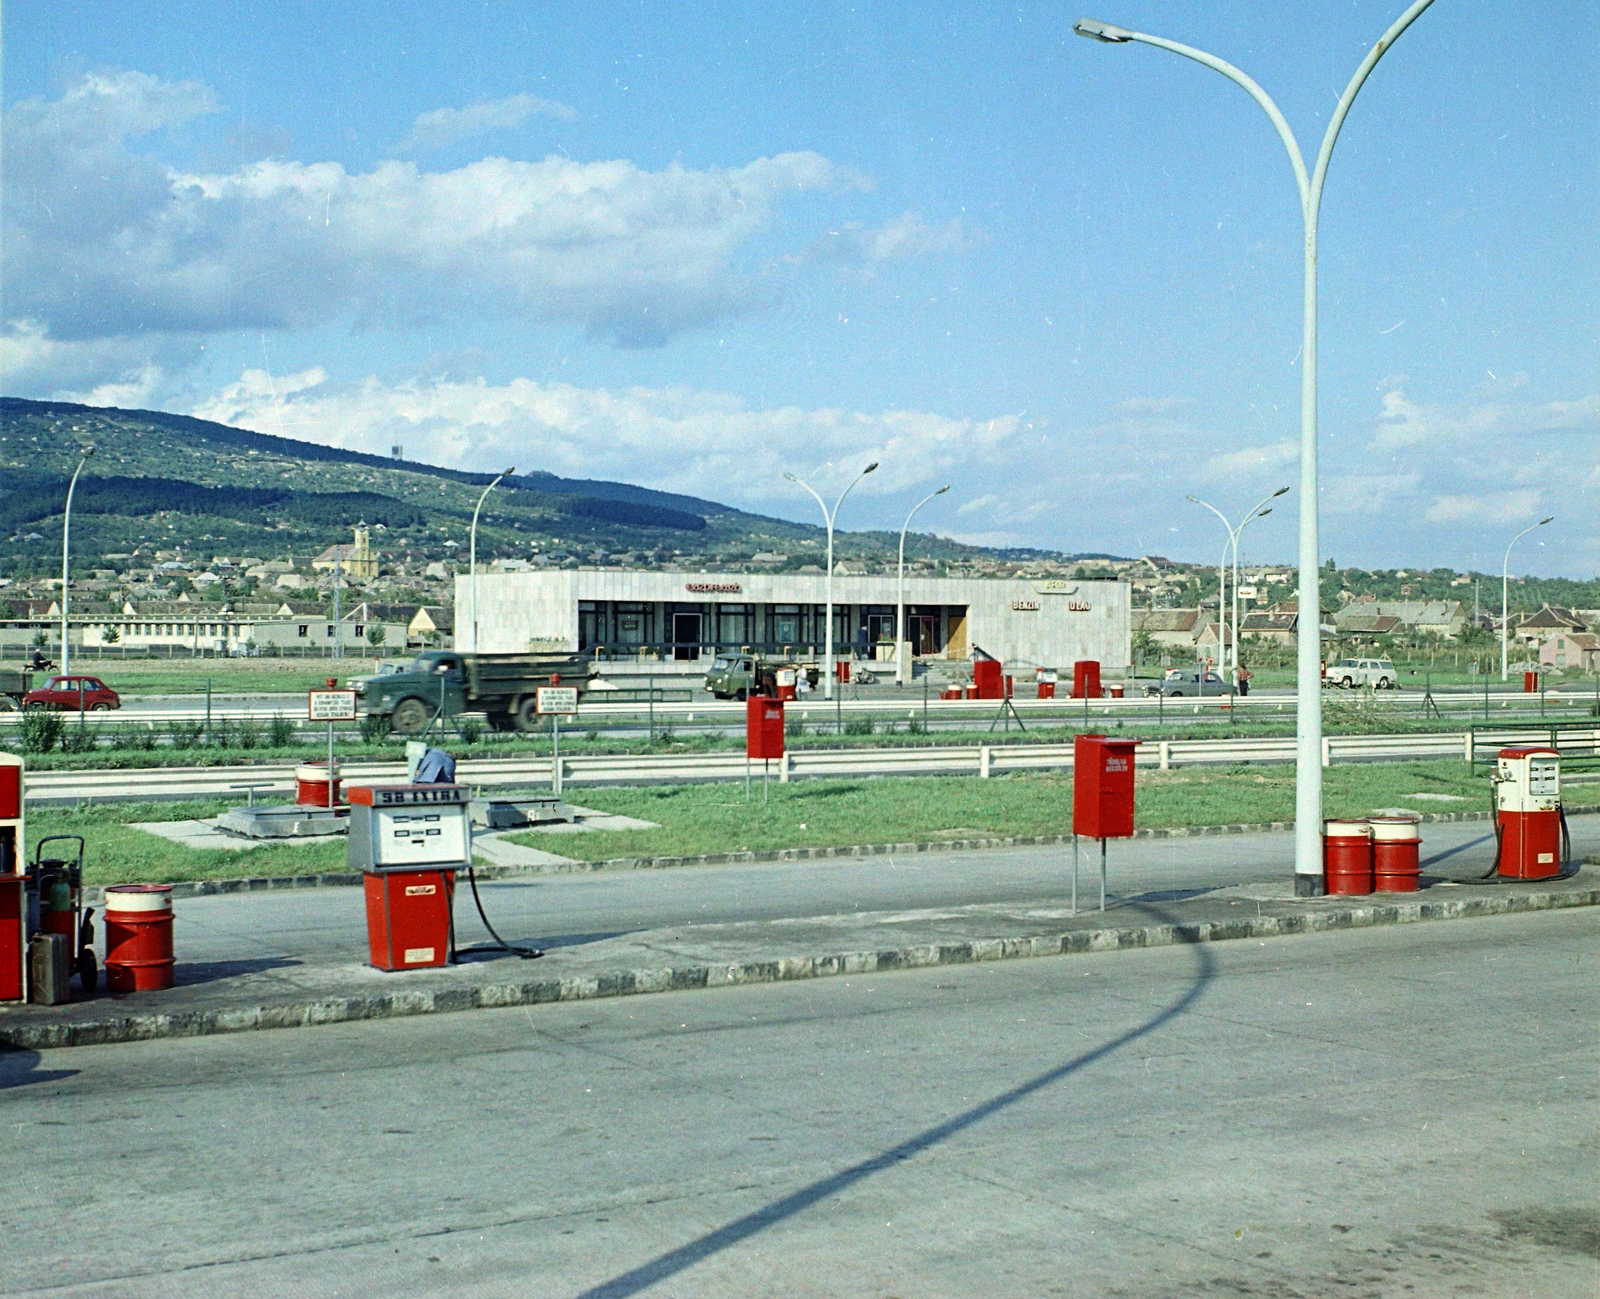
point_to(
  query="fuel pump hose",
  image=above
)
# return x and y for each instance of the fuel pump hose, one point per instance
(526, 953)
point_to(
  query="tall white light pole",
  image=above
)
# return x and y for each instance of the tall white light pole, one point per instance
(472, 552)
(1308, 876)
(66, 554)
(829, 517)
(1505, 591)
(900, 593)
(1261, 509)
(1222, 583)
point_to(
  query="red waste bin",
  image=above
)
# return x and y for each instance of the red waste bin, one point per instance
(841, 669)
(1347, 857)
(986, 679)
(1530, 683)
(1396, 853)
(1102, 787)
(1086, 679)
(1047, 690)
(763, 727)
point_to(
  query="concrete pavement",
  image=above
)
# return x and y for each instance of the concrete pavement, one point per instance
(1388, 1113)
(295, 957)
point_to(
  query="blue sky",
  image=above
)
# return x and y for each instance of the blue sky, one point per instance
(693, 246)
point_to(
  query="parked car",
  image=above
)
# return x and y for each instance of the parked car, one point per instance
(1377, 673)
(73, 694)
(1180, 682)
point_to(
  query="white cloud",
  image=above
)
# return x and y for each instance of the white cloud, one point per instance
(448, 125)
(1247, 461)
(1491, 507)
(99, 242)
(1364, 494)
(904, 236)
(1404, 423)
(704, 443)
(99, 372)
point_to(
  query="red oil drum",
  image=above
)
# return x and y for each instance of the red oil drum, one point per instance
(138, 920)
(1347, 856)
(1116, 691)
(1396, 845)
(311, 784)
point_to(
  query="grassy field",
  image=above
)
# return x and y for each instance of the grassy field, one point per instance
(188, 676)
(696, 819)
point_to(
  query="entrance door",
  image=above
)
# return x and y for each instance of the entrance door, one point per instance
(686, 636)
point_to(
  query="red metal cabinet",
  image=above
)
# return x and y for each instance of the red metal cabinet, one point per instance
(408, 917)
(1102, 787)
(987, 680)
(763, 727)
(1086, 679)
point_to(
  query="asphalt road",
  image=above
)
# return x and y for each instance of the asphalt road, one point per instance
(1406, 1111)
(555, 910)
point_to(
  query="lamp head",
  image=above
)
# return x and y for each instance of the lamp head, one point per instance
(507, 473)
(1096, 30)
(1195, 499)
(869, 469)
(1280, 492)
(88, 451)
(942, 490)
(790, 476)
(1262, 514)
(1542, 522)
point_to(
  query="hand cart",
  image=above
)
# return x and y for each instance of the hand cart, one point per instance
(55, 906)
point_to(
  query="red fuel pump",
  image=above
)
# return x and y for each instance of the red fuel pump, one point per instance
(1529, 824)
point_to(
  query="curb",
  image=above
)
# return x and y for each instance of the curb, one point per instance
(624, 983)
(347, 879)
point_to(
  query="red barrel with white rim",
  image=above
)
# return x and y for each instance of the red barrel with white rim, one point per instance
(1347, 856)
(138, 920)
(311, 784)
(1396, 853)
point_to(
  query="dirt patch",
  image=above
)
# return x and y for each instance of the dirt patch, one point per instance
(1572, 1229)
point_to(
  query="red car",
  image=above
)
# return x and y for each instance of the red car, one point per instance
(73, 694)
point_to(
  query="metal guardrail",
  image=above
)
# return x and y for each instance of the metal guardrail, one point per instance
(982, 760)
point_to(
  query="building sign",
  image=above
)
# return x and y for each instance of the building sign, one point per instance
(1077, 606)
(713, 588)
(1025, 606)
(1055, 588)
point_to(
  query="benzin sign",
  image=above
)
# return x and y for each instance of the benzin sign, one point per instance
(558, 700)
(1025, 606)
(331, 705)
(713, 588)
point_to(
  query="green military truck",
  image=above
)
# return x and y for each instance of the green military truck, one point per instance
(737, 676)
(14, 684)
(501, 686)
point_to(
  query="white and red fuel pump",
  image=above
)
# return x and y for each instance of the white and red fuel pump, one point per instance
(1530, 827)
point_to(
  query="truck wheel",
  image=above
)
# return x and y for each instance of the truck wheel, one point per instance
(528, 715)
(411, 717)
(740, 695)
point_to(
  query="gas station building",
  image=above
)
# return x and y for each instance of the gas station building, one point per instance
(667, 617)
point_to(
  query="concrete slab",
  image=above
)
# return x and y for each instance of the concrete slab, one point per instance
(206, 835)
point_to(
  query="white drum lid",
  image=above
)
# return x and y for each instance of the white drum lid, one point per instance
(139, 897)
(316, 772)
(1346, 830)
(1394, 829)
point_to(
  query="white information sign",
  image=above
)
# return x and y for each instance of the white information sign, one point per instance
(331, 705)
(558, 700)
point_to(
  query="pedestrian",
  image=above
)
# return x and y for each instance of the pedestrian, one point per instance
(1243, 674)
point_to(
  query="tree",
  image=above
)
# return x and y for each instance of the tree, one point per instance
(112, 635)
(1144, 646)
(375, 635)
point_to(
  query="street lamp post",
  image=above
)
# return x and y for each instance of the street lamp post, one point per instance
(828, 518)
(1505, 591)
(472, 552)
(900, 593)
(1308, 874)
(1261, 509)
(66, 554)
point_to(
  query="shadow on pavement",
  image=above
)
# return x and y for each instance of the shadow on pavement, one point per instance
(21, 1069)
(671, 1263)
(478, 953)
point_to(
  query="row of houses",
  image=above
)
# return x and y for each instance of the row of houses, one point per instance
(217, 627)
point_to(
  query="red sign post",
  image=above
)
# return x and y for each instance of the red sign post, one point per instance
(1102, 798)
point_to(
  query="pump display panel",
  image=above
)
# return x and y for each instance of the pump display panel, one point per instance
(405, 826)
